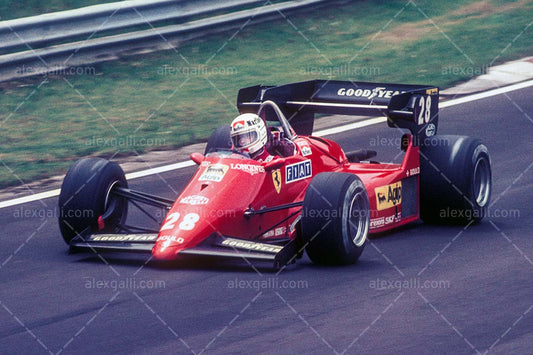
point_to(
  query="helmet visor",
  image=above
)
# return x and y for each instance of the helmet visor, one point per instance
(243, 140)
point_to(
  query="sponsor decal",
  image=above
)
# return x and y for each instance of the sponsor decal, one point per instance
(276, 179)
(383, 221)
(298, 171)
(304, 148)
(204, 164)
(122, 238)
(195, 200)
(389, 196)
(432, 91)
(431, 130)
(214, 172)
(242, 124)
(167, 240)
(413, 171)
(379, 92)
(171, 238)
(238, 125)
(377, 222)
(251, 169)
(243, 244)
(276, 232)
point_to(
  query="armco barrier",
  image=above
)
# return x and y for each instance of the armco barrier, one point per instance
(93, 50)
(57, 26)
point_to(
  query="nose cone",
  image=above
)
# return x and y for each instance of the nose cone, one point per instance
(213, 202)
(181, 231)
(165, 250)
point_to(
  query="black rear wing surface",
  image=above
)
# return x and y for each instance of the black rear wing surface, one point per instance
(413, 107)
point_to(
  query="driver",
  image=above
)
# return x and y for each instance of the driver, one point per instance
(249, 135)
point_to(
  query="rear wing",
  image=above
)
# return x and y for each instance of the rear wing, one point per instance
(413, 107)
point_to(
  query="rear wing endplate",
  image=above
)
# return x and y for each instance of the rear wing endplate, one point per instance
(413, 107)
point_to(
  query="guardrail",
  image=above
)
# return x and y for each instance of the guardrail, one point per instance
(62, 25)
(59, 57)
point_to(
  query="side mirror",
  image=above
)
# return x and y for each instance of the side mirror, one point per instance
(197, 158)
(274, 164)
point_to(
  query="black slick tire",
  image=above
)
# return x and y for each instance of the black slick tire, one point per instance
(335, 219)
(85, 196)
(455, 180)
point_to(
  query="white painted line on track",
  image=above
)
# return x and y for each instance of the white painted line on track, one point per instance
(486, 94)
(30, 198)
(159, 170)
(130, 176)
(324, 132)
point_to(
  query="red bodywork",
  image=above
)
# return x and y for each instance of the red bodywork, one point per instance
(227, 184)
(238, 207)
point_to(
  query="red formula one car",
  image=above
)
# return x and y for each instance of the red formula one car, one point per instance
(319, 199)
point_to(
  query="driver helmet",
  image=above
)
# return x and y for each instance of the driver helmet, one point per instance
(248, 133)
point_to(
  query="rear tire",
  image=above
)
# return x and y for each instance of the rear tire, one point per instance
(219, 139)
(85, 196)
(455, 180)
(335, 218)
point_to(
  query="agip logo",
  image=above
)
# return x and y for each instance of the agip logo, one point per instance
(388, 196)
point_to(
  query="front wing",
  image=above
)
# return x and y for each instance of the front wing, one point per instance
(216, 246)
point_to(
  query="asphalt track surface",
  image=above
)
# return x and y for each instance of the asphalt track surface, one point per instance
(423, 289)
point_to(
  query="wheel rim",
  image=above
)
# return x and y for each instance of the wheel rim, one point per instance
(482, 181)
(358, 220)
(114, 205)
(110, 199)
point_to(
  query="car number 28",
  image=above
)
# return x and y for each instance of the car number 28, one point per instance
(188, 222)
(424, 106)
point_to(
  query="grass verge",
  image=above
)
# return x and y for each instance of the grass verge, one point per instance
(173, 98)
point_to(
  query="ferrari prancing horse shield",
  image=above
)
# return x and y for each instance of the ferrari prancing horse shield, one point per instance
(276, 178)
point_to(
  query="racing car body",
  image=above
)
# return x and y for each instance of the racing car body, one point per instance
(320, 198)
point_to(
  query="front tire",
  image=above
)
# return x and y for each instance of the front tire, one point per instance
(335, 219)
(86, 195)
(455, 180)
